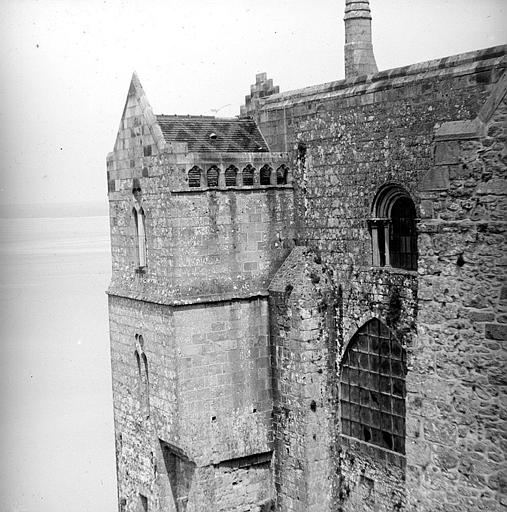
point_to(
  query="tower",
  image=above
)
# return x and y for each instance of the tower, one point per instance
(359, 57)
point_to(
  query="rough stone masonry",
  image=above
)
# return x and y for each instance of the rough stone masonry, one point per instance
(308, 308)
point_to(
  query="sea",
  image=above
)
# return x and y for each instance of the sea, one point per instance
(56, 415)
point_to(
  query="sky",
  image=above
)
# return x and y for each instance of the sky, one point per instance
(66, 65)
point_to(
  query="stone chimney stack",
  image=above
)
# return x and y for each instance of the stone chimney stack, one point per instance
(359, 58)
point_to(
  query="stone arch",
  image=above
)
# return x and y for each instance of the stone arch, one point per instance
(393, 228)
(265, 175)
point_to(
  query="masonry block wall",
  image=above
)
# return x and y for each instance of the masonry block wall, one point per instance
(232, 336)
(346, 140)
(189, 326)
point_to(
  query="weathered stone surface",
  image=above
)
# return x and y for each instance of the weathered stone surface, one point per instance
(252, 295)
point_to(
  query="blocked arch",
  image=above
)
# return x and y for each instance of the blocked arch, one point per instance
(372, 387)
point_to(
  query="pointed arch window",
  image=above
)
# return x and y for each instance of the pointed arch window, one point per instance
(265, 175)
(212, 176)
(140, 234)
(194, 177)
(372, 388)
(231, 176)
(248, 175)
(394, 229)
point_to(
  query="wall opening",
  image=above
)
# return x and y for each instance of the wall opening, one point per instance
(393, 229)
(265, 175)
(230, 176)
(281, 175)
(372, 388)
(139, 230)
(212, 176)
(179, 473)
(194, 177)
(248, 175)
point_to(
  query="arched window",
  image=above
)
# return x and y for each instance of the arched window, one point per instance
(248, 175)
(140, 234)
(212, 176)
(372, 388)
(194, 177)
(281, 175)
(394, 229)
(265, 175)
(230, 176)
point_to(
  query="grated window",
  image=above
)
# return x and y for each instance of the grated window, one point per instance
(372, 388)
(248, 175)
(230, 176)
(194, 177)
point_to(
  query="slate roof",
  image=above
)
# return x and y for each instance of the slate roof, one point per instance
(231, 134)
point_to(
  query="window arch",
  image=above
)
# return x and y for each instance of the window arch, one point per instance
(265, 175)
(230, 176)
(140, 234)
(212, 176)
(194, 177)
(394, 229)
(248, 175)
(281, 175)
(372, 388)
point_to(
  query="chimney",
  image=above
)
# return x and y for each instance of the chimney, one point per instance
(359, 58)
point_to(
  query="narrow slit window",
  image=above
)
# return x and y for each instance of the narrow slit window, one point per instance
(140, 235)
(394, 229)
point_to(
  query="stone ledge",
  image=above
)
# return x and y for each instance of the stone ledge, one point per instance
(192, 301)
(374, 452)
(246, 188)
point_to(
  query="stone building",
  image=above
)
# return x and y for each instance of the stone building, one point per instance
(307, 307)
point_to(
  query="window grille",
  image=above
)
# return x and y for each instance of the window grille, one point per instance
(372, 388)
(194, 177)
(230, 176)
(248, 175)
(212, 177)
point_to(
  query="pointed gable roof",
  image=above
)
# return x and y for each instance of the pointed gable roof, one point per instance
(204, 134)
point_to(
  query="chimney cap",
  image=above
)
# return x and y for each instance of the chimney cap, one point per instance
(357, 9)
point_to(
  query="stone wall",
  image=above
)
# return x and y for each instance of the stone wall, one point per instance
(345, 141)
(457, 384)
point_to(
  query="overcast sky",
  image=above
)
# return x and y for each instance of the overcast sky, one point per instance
(66, 66)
